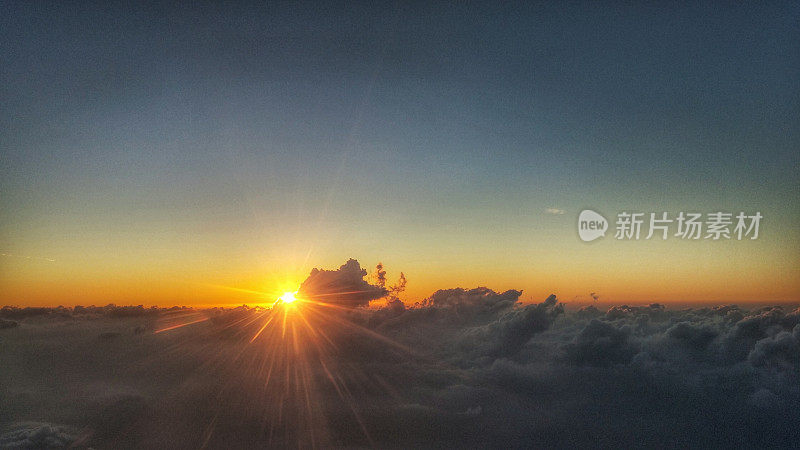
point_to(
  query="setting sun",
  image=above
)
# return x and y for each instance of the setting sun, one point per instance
(288, 297)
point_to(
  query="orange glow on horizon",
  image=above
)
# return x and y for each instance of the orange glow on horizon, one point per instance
(664, 275)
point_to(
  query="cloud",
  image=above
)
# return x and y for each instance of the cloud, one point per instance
(39, 258)
(555, 211)
(110, 310)
(506, 335)
(345, 286)
(779, 352)
(7, 324)
(37, 435)
(11, 312)
(380, 275)
(601, 343)
(461, 368)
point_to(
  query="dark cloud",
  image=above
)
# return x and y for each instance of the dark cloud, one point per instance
(7, 324)
(603, 344)
(110, 310)
(506, 335)
(401, 284)
(780, 352)
(462, 368)
(108, 335)
(380, 275)
(344, 286)
(12, 312)
(37, 435)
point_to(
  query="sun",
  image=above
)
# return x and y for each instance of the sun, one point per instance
(288, 297)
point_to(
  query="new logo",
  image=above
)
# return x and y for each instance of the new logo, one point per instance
(591, 225)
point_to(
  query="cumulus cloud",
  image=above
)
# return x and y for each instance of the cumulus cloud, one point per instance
(344, 286)
(461, 368)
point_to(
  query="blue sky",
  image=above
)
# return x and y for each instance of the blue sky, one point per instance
(212, 141)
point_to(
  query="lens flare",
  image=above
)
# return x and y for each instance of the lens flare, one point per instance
(288, 297)
(285, 366)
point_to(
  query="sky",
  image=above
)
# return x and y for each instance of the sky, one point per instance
(208, 155)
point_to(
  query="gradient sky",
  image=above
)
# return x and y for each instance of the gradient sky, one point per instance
(194, 155)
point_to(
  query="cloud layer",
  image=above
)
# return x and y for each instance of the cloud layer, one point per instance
(463, 368)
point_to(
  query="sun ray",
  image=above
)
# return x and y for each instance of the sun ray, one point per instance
(261, 329)
(180, 325)
(291, 353)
